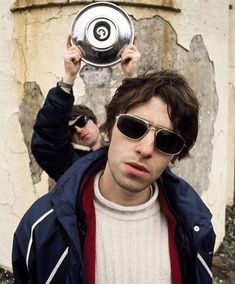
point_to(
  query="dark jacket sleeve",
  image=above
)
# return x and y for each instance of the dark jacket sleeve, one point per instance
(50, 143)
(21, 274)
(19, 252)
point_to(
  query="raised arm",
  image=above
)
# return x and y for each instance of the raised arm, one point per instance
(50, 143)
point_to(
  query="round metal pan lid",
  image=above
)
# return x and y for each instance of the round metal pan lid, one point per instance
(102, 29)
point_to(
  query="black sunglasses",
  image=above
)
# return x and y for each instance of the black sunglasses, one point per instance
(135, 128)
(80, 122)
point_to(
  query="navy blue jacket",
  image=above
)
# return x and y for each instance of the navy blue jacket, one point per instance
(51, 140)
(47, 245)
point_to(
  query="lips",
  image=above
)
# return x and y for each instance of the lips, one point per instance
(84, 136)
(138, 167)
(136, 170)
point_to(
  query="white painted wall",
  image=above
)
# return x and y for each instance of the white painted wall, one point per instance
(209, 18)
(16, 189)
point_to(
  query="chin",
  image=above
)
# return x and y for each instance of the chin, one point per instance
(134, 188)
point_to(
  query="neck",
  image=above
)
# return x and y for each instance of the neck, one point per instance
(96, 146)
(117, 194)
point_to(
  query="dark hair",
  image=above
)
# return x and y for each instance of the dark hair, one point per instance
(78, 110)
(173, 89)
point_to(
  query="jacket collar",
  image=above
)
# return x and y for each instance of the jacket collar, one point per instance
(67, 192)
(185, 203)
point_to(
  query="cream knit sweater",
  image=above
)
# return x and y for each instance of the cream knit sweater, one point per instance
(131, 242)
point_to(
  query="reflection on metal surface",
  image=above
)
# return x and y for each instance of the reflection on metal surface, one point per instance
(102, 29)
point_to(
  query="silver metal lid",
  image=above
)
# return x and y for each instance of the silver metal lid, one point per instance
(102, 29)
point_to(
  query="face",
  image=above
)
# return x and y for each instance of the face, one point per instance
(87, 135)
(133, 165)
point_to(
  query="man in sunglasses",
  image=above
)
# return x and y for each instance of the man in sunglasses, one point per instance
(57, 135)
(119, 215)
(84, 128)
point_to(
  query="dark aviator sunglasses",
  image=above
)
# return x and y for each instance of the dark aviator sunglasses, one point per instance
(166, 141)
(80, 122)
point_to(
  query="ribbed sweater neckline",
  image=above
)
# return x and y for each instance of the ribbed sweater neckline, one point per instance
(147, 209)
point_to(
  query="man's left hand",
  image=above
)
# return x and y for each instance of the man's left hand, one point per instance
(130, 57)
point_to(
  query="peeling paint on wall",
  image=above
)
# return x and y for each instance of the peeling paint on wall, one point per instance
(97, 82)
(29, 107)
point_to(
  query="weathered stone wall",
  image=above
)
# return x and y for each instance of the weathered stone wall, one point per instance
(192, 37)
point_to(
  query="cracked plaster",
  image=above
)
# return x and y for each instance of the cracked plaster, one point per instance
(28, 109)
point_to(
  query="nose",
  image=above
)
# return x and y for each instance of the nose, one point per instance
(145, 146)
(78, 129)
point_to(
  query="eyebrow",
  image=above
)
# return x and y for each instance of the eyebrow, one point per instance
(152, 124)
